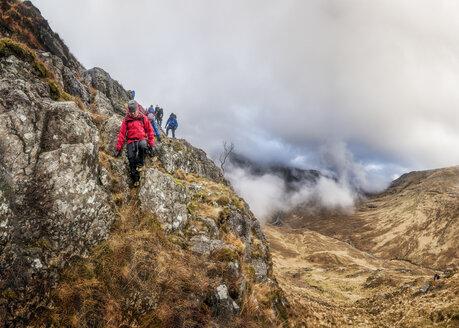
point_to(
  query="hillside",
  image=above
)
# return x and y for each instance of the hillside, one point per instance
(332, 284)
(78, 246)
(374, 267)
(415, 219)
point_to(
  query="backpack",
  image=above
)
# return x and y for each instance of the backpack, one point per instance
(136, 119)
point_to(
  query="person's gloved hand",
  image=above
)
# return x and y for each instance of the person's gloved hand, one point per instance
(117, 153)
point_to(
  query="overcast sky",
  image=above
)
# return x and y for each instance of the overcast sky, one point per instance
(314, 84)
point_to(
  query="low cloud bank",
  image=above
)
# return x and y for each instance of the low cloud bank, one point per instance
(267, 194)
(342, 182)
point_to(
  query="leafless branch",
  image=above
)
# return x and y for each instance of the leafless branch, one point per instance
(227, 150)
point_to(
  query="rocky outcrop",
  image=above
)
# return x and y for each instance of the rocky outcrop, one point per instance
(166, 197)
(52, 204)
(65, 77)
(179, 154)
(100, 80)
(61, 191)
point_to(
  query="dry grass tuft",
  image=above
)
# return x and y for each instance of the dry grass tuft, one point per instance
(79, 103)
(180, 174)
(137, 277)
(97, 119)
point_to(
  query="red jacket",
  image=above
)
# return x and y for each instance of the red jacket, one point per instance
(136, 130)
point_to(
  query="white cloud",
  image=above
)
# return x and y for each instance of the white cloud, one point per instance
(284, 79)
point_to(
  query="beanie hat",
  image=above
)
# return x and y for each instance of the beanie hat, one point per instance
(132, 105)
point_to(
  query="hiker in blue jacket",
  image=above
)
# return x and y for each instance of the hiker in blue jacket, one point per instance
(151, 117)
(171, 124)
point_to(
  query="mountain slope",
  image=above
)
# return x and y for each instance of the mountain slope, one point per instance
(78, 246)
(415, 219)
(330, 283)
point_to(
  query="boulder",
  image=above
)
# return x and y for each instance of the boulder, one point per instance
(204, 245)
(109, 132)
(102, 104)
(100, 80)
(53, 207)
(65, 76)
(261, 269)
(224, 306)
(166, 197)
(178, 154)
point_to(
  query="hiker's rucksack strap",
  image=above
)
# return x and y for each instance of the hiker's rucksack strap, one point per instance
(137, 119)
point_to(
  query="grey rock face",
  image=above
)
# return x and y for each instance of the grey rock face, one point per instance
(176, 155)
(240, 225)
(203, 245)
(102, 104)
(73, 86)
(211, 226)
(261, 269)
(163, 196)
(64, 75)
(52, 204)
(225, 307)
(109, 134)
(99, 79)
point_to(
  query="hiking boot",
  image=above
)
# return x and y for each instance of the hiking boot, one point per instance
(139, 169)
(137, 183)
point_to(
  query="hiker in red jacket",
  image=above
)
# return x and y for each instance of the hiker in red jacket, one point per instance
(137, 128)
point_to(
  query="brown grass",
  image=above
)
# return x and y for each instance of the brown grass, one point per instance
(9, 47)
(25, 24)
(79, 103)
(137, 264)
(19, 25)
(98, 119)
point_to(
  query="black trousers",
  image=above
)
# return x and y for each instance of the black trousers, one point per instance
(173, 131)
(137, 151)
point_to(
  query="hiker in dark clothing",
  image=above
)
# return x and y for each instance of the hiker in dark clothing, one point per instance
(171, 124)
(159, 115)
(136, 127)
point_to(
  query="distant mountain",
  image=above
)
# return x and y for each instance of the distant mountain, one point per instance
(415, 219)
(293, 177)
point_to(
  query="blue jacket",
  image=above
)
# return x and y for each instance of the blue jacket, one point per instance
(172, 122)
(153, 123)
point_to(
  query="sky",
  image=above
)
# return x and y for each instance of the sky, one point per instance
(367, 90)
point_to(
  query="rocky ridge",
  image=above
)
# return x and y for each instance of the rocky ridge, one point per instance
(78, 247)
